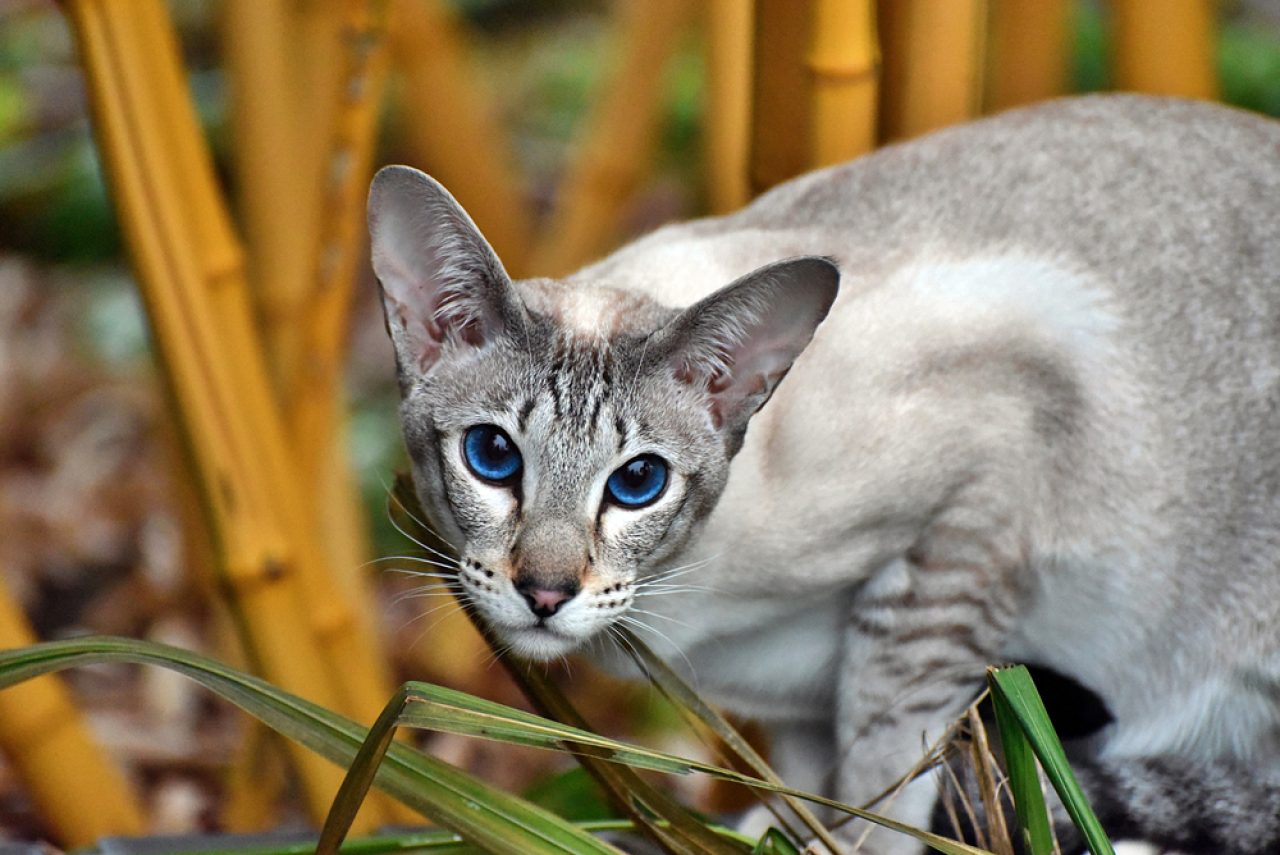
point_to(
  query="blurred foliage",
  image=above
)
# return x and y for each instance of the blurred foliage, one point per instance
(1089, 71)
(1249, 65)
(572, 795)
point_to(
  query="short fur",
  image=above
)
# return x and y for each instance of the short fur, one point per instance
(1039, 423)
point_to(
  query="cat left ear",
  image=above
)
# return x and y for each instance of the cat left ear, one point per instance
(739, 342)
(443, 287)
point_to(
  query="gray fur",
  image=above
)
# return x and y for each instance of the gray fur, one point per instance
(1038, 423)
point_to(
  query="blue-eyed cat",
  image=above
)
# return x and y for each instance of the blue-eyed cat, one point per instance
(1031, 412)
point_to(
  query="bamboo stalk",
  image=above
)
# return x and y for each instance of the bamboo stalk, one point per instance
(619, 138)
(843, 65)
(780, 127)
(452, 133)
(933, 64)
(314, 398)
(306, 301)
(728, 125)
(76, 788)
(189, 268)
(344, 629)
(1027, 52)
(313, 395)
(1165, 47)
(277, 163)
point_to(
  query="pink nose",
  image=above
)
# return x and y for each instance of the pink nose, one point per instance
(543, 602)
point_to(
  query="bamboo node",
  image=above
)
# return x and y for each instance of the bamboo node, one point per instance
(248, 574)
(339, 167)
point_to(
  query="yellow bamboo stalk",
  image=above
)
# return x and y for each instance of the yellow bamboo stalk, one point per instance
(1027, 51)
(307, 200)
(340, 613)
(619, 138)
(277, 163)
(189, 268)
(314, 399)
(1165, 47)
(76, 788)
(258, 775)
(843, 64)
(780, 127)
(451, 130)
(933, 64)
(728, 40)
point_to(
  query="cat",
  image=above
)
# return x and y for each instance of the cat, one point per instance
(1031, 412)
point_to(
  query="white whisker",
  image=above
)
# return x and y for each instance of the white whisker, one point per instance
(639, 624)
(624, 644)
(663, 590)
(421, 574)
(674, 572)
(419, 543)
(421, 594)
(415, 560)
(391, 494)
(634, 610)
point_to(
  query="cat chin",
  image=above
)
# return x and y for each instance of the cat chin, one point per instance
(539, 643)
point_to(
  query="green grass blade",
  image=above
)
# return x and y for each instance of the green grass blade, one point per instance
(1024, 781)
(360, 776)
(774, 842)
(445, 710)
(433, 841)
(685, 699)
(1013, 690)
(494, 821)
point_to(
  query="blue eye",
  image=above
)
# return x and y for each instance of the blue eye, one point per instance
(491, 455)
(638, 482)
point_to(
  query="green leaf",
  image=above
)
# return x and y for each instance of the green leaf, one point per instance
(1023, 719)
(494, 821)
(360, 776)
(774, 842)
(1024, 781)
(444, 710)
(690, 704)
(571, 794)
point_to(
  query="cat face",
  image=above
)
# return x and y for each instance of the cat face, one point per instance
(568, 441)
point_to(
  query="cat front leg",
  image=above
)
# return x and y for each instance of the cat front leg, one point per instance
(919, 639)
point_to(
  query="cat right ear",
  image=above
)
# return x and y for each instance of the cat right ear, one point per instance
(738, 343)
(443, 286)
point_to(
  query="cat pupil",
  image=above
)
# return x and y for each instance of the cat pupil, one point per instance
(636, 472)
(498, 448)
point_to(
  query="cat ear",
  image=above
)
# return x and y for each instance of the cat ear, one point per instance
(442, 285)
(739, 342)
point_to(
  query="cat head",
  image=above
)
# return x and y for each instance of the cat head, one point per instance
(568, 440)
